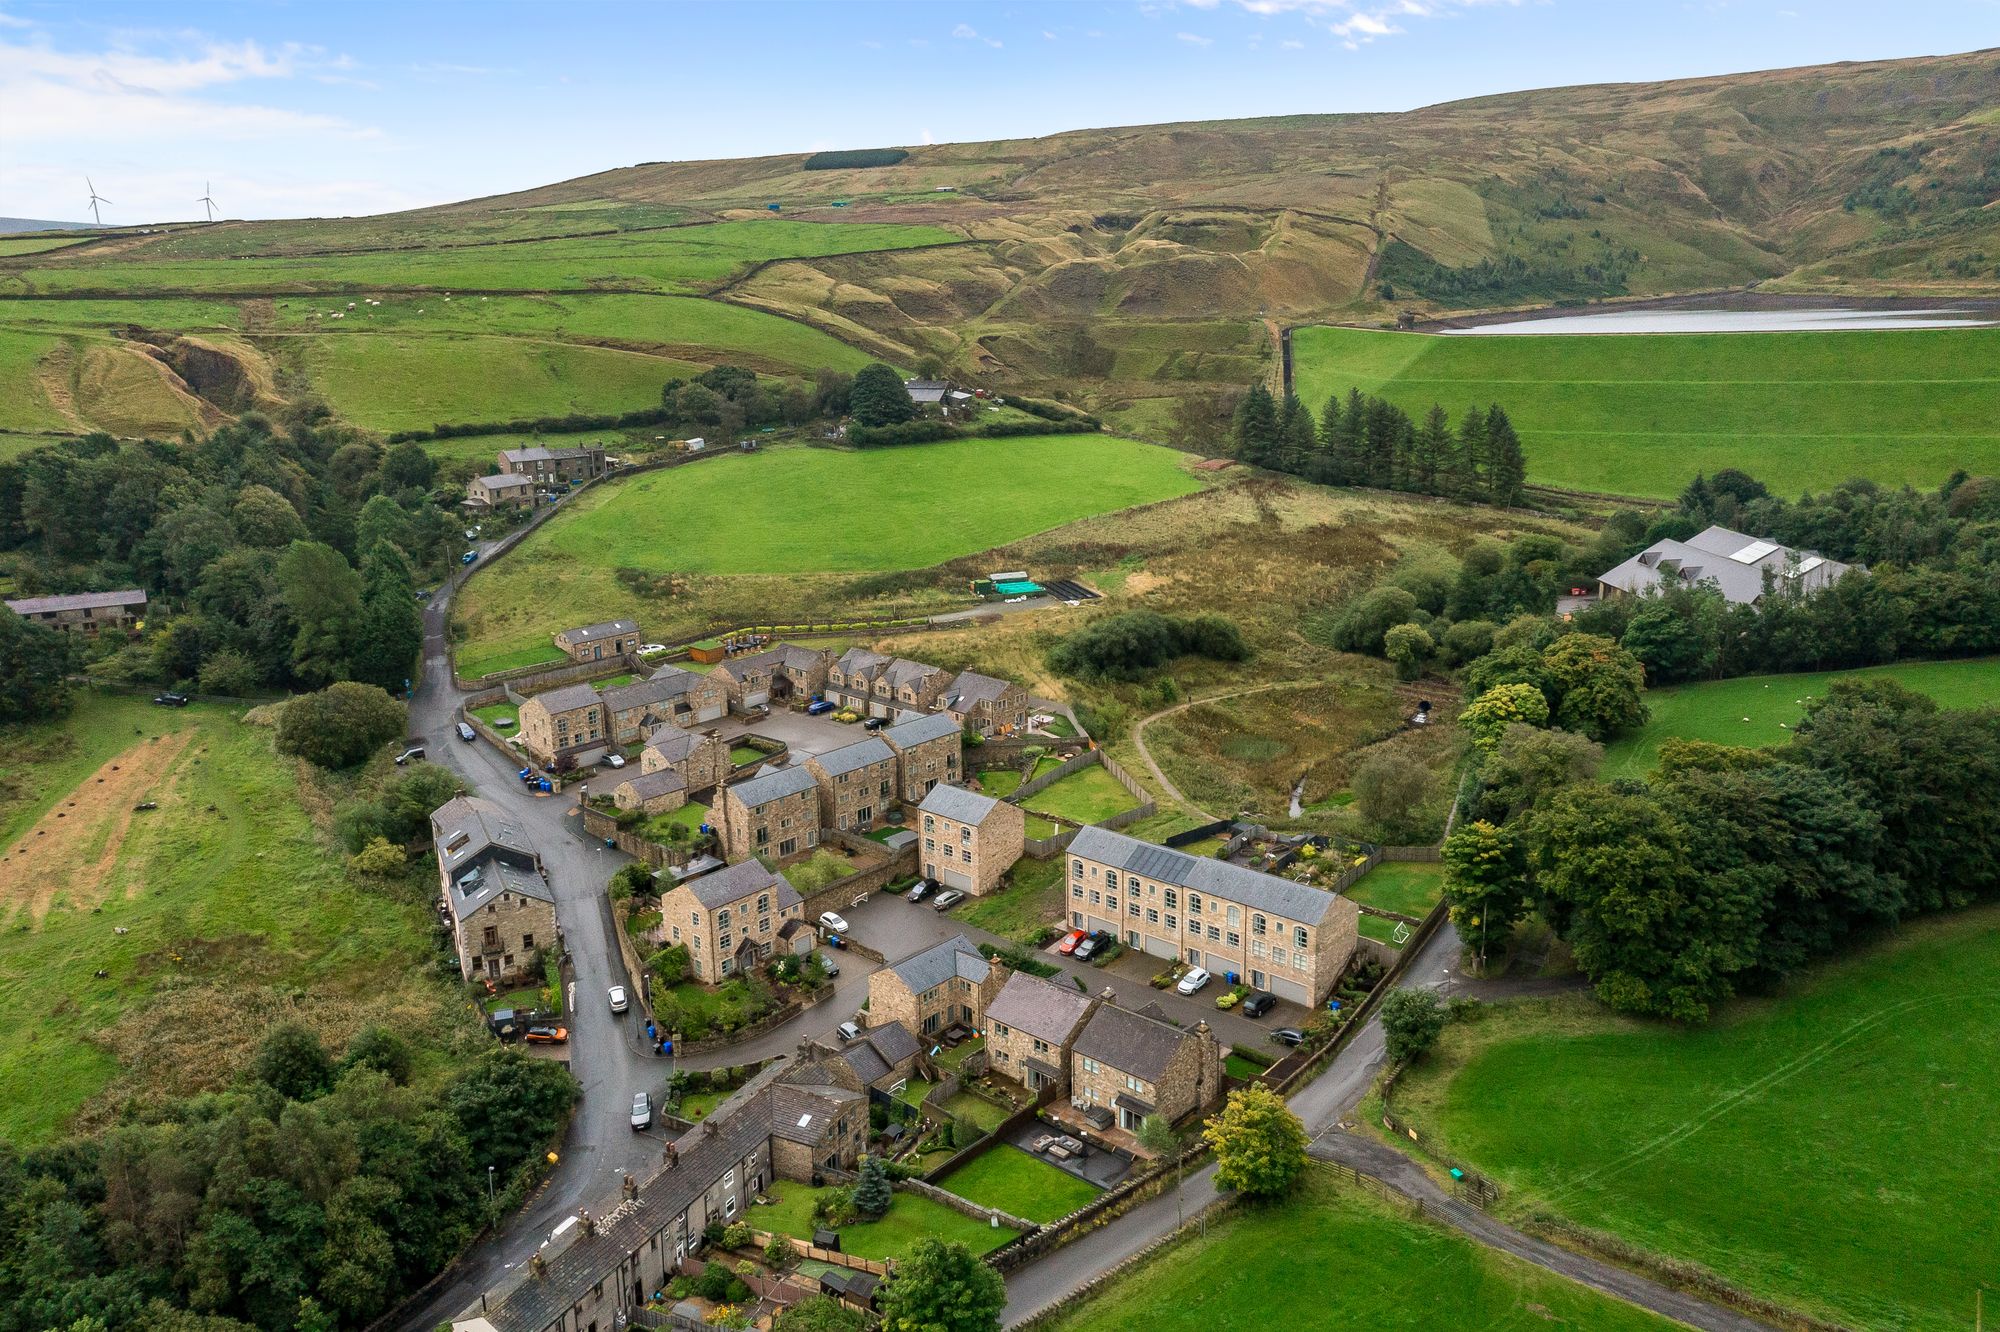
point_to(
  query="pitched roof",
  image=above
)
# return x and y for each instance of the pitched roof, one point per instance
(971, 687)
(504, 481)
(1734, 561)
(726, 886)
(930, 726)
(854, 757)
(1031, 1004)
(649, 784)
(1129, 1042)
(665, 684)
(672, 743)
(674, 680)
(489, 878)
(807, 1113)
(768, 786)
(788, 655)
(1217, 878)
(939, 963)
(482, 825)
(538, 454)
(605, 629)
(567, 698)
(955, 802)
(892, 1041)
(77, 601)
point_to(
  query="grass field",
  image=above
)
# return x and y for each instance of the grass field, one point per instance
(1354, 1262)
(1831, 1148)
(1717, 711)
(1030, 897)
(1086, 795)
(472, 668)
(908, 1220)
(1642, 414)
(232, 911)
(1019, 1185)
(1408, 887)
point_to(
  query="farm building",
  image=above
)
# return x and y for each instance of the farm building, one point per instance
(1736, 564)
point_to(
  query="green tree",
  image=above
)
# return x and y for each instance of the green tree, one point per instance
(1530, 764)
(1678, 636)
(266, 519)
(340, 725)
(292, 1062)
(780, 1253)
(1487, 717)
(509, 1107)
(671, 965)
(322, 593)
(872, 1193)
(380, 859)
(1506, 468)
(1412, 1021)
(1254, 432)
(228, 672)
(1364, 625)
(408, 467)
(381, 520)
(381, 1049)
(1596, 684)
(1472, 465)
(940, 1287)
(1260, 1145)
(877, 397)
(1486, 883)
(1410, 648)
(1432, 454)
(35, 662)
(392, 628)
(1390, 790)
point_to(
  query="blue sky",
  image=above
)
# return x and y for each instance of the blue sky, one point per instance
(309, 108)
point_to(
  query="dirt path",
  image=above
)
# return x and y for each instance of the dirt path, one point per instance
(1139, 734)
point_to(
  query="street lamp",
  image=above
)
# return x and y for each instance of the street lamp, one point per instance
(489, 1186)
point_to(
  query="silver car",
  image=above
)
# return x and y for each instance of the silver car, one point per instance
(642, 1112)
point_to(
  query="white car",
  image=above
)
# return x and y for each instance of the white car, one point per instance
(1193, 981)
(829, 921)
(619, 1003)
(615, 760)
(652, 647)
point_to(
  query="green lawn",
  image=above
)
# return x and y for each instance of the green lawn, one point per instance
(1406, 886)
(1000, 782)
(1772, 704)
(1030, 897)
(1832, 1149)
(689, 816)
(502, 717)
(1640, 415)
(1019, 1184)
(892, 1235)
(959, 1053)
(914, 1091)
(1086, 795)
(615, 682)
(491, 663)
(975, 1109)
(1354, 1261)
(740, 754)
(1379, 928)
(1236, 1066)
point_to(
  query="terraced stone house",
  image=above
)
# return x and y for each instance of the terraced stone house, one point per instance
(554, 467)
(857, 784)
(671, 696)
(970, 841)
(508, 490)
(775, 813)
(879, 686)
(773, 677)
(729, 919)
(929, 752)
(1030, 1026)
(985, 704)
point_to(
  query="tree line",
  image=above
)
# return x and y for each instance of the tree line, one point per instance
(1361, 440)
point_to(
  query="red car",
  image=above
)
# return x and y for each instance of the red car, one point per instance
(1069, 942)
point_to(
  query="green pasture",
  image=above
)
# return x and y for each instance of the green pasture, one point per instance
(25, 405)
(13, 247)
(1831, 1149)
(1759, 710)
(1642, 414)
(472, 668)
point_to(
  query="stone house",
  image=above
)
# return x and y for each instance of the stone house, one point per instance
(928, 752)
(879, 686)
(599, 642)
(1030, 1026)
(985, 704)
(505, 491)
(728, 918)
(88, 613)
(565, 722)
(495, 890)
(857, 784)
(1132, 1065)
(884, 1059)
(775, 813)
(778, 676)
(700, 757)
(944, 985)
(969, 840)
(818, 1121)
(1276, 935)
(554, 467)
(672, 696)
(660, 792)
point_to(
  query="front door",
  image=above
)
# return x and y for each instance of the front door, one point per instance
(1256, 980)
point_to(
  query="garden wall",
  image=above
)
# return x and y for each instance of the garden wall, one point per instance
(769, 1022)
(964, 1206)
(1132, 1190)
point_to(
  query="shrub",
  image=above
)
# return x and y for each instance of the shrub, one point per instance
(671, 964)
(872, 1193)
(1127, 645)
(851, 158)
(736, 1235)
(378, 859)
(340, 725)
(1412, 1020)
(780, 1253)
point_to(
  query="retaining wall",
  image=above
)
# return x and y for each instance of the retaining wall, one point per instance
(964, 1206)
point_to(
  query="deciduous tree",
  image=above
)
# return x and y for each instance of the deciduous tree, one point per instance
(1260, 1145)
(940, 1287)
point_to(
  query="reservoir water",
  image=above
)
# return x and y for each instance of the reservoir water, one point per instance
(1731, 321)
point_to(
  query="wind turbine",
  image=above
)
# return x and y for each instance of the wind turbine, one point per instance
(95, 199)
(205, 201)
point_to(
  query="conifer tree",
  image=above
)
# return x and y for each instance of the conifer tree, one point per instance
(1430, 452)
(1506, 467)
(1255, 429)
(1472, 453)
(1295, 437)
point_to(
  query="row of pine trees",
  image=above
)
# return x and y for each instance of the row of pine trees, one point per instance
(1364, 441)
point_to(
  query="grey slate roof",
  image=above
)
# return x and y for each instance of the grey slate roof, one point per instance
(504, 481)
(1130, 1043)
(1031, 1004)
(805, 1114)
(854, 757)
(76, 601)
(766, 787)
(789, 655)
(567, 698)
(971, 688)
(672, 679)
(925, 390)
(1217, 878)
(939, 963)
(605, 629)
(893, 1042)
(727, 886)
(486, 826)
(955, 802)
(538, 454)
(930, 726)
(1733, 561)
(646, 785)
(671, 742)
(489, 878)
(866, 1061)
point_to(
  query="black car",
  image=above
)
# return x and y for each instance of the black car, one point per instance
(873, 724)
(1259, 1003)
(171, 700)
(1289, 1036)
(1087, 946)
(921, 889)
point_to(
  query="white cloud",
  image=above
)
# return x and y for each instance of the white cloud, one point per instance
(1193, 39)
(965, 32)
(1048, 36)
(1292, 44)
(1355, 22)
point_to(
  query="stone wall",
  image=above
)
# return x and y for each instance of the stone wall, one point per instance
(963, 1206)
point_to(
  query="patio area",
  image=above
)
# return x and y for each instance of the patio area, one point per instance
(1109, 1141)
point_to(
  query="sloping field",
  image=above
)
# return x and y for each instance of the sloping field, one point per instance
(1643, 414)
(25, 403)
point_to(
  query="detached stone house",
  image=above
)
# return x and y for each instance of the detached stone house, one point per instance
(672, 696)
(857, 784)
(700, 757)
(1137, 1064)
(879, 686)
(773, 813)
(88, 613)
(1285, 937)
(970, 840)
(554, 467)
(729, 919)
(761, 679)
(946, 984)
(660, 792)
(566, 722)
(985, 704)
(505, 491)
(502, 909)
(928, 751)
(599, 642)
(1030, 1026)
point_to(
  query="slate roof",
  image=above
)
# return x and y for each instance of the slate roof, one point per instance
(1734, 561)
(606, 629)
(538, 454)
(488, 879)
(486, 827)
(725, 887)
(926, 390)
(768, 786)
(894, 1042)
(672, 679)
(76, 601)
(854, 757)
(642, 694)
(1217, 878)
(788, 655)
(971, 688)
(955, 802)
(1130, 1043)
(939, 963)
(647, 785)
(504, 481)
(879, 1050)
(1031, 1004)
(567, 698)
(671, 742)
(805, 1113)
(930, 726)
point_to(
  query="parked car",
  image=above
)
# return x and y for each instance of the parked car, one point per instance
(619, 1003)
(849, 1031)
(614, 760)
(642, 1112)
(1069, 942)
(1193, 981)
(465, 731)
(413, 752)
(548, 1035)
(1289, 1036)
(830, 921)
(818, 707)
(1087, 946)
(652, 647)
(468, 557)
(171, 700)
(873, 724)
(829, 966)
(921, 889)
(1259, 1003)
(947, 899)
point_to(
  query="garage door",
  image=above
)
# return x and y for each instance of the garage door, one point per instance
(1158, 947)
(1100, 923)
(712, 713)
(758, 699)
(958, 879)
(880, 710)
(1289, 989)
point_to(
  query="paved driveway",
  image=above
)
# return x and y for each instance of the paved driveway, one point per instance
(804, 734)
